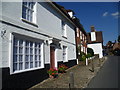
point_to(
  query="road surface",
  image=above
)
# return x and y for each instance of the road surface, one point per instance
(107, 77)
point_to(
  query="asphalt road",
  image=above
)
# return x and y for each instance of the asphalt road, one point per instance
(107, 77)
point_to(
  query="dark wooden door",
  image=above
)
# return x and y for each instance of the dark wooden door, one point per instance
(52, 57)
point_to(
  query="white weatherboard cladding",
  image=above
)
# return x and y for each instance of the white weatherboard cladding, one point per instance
(70, 33)
(6, 41)
(0, 47)
(93, 36)
(47, 54)
(48, 22)
(71, 52)
(97, 48)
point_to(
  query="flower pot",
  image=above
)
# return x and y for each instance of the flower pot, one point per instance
(53, 76)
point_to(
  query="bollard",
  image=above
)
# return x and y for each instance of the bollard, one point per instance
(71, 82)
(86, 62)
(92, 66)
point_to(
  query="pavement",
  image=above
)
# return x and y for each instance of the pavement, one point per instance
(107, 77)
(82, 76)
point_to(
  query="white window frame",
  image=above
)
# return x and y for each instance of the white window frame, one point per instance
(93, 36)
(11, 56)
(78, 32)
(34, 10)
(64, 29)
(66, 56)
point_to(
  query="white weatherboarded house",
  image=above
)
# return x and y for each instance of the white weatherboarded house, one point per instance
(95, 41)
(34, 37)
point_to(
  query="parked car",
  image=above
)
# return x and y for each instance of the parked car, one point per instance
(116, 52)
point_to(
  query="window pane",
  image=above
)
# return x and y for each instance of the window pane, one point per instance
(35, 51)
(20, 57)
(15, 58)
(39, 51)
(35, 64)
(27, 43)
(27, 50)
(14, 66)
(25, 3)
(31, 14)
(26, 58)
(26, 65)
(24, 15)
(31, 44)
(20, 66)
(21, 50)
(15, 50)
(31, 57)
(28, 15)
(39, 45)
(31, 50)
(31, 64)
(35, 45)
(39, 63)
(24, 11)
(15, 42)
(32, 4)
(39, 57)
(21, 43)
(35, 57)
(29, 4)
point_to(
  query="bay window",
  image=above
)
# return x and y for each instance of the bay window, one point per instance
(27, 54)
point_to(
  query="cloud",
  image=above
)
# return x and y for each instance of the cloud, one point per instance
(116, 14)
(105, 14)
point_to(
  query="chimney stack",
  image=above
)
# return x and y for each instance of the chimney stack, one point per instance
(92, 28)
(71, 13)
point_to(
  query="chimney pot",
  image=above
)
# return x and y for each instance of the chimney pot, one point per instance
(92, 28)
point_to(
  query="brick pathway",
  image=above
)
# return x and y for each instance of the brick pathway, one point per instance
(82, 76)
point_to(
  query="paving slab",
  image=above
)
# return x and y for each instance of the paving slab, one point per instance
(82, 76)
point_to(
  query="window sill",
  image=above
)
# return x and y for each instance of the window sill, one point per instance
(26, 70)
(26, 21)
(64, 37)
(65, 61)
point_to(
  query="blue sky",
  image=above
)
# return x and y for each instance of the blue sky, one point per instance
(103, 15)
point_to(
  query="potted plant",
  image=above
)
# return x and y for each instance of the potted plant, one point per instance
(53, 72)
(62, 68)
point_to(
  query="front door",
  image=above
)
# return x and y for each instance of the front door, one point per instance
(52, 57)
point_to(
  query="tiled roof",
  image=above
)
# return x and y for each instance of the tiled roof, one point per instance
(99, 37)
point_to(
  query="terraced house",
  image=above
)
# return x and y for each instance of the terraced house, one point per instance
(35, 36)
(81, 38)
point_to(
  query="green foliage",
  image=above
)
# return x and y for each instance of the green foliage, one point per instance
(82, 56)
(52, 71)
(62, 68)
(90, 50)
(88, 55)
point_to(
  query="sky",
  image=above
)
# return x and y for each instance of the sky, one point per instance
(103, 15)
